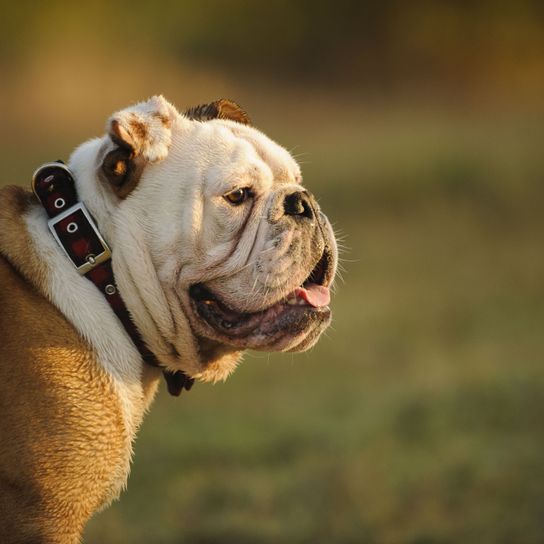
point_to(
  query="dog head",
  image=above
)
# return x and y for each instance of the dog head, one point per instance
(217, 246)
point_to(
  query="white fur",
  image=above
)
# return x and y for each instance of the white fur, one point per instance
(175, 228)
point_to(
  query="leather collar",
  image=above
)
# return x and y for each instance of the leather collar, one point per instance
(77, 234)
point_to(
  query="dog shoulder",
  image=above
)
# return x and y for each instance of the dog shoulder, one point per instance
(63, 433)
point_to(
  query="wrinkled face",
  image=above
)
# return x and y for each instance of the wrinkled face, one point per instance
(256, 255)
(267, 283)
(236, 241)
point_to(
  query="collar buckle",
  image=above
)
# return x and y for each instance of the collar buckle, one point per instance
(79, 237)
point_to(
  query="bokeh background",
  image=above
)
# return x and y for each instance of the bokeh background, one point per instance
(419, 125)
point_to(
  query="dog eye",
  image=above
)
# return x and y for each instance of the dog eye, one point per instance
(237, 196)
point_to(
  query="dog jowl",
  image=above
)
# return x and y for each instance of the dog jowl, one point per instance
(214, 246)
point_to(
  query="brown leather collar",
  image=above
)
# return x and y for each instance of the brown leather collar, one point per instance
(77, 234)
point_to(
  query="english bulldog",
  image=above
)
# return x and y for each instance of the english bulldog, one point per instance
(214, 246)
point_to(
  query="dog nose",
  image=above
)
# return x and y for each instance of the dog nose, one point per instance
(298, 204)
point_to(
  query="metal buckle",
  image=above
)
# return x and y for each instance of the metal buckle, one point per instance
(91, 260)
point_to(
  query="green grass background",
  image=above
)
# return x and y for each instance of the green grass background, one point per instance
(418, 418)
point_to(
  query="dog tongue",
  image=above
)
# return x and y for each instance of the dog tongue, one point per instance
(315, 295)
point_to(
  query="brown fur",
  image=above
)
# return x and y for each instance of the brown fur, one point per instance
(63, 442)
(138, 130)
(166, 121)
(121, 171)
(122, 167)
(220, 109)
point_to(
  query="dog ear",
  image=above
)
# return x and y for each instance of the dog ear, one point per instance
(140, 134)
(220, 109)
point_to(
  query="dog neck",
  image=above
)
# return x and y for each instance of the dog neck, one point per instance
(78, 236)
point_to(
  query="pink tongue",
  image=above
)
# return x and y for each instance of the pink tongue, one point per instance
(315, 295)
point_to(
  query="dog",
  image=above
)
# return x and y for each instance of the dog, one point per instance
(193, 240)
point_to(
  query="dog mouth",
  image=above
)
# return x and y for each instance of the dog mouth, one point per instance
(304, 308)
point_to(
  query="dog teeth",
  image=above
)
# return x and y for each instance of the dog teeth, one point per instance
(291, 299)
(295, 301)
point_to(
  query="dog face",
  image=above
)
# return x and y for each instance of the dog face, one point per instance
(217, 247)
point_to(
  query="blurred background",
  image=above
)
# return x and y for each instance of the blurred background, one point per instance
(420, 126)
